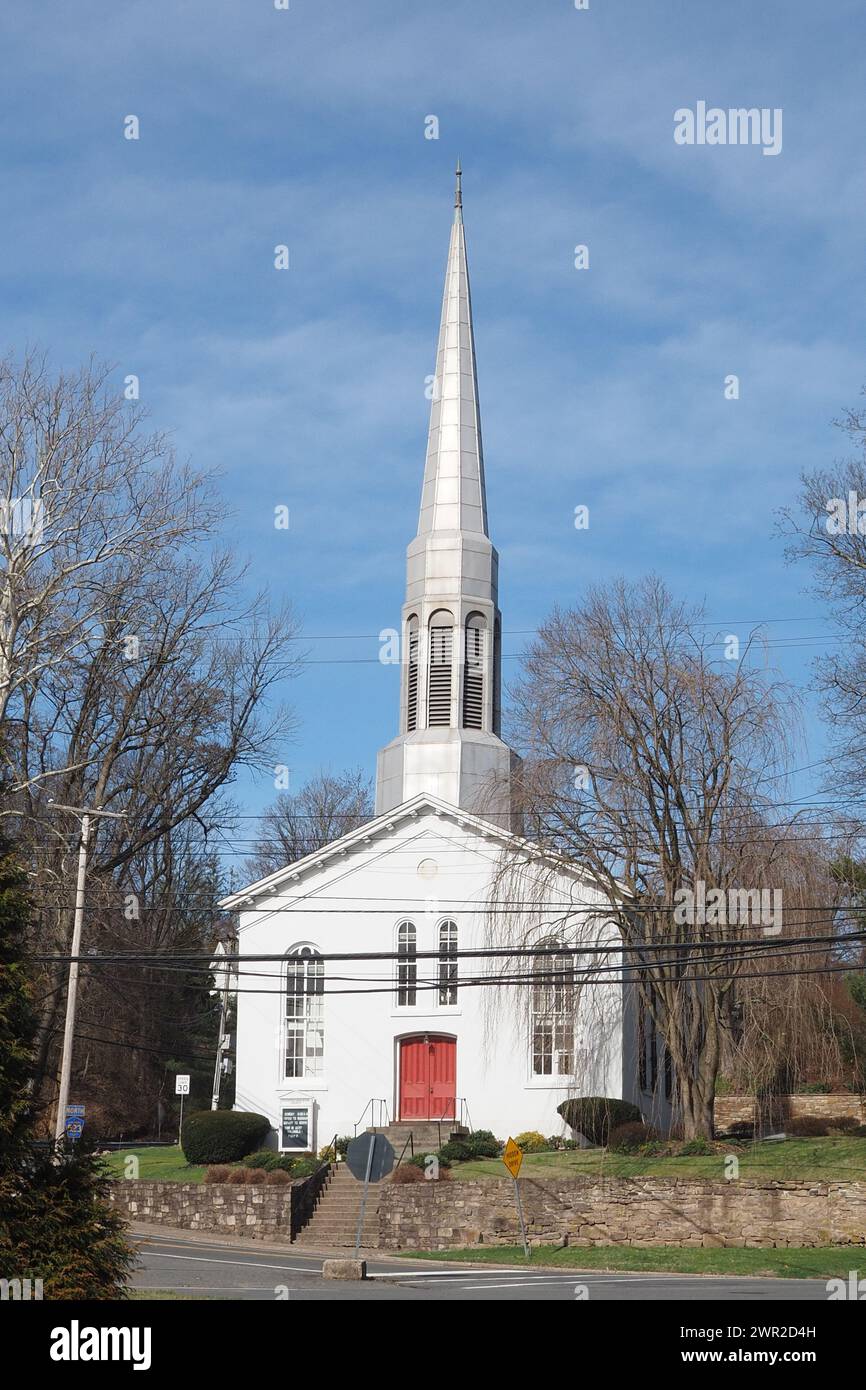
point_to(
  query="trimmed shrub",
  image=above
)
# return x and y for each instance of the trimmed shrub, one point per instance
(419, 1160)
(237, 1176)
(595, 1116)
(695, 1148)
(277, 1177)
(217, 1173)
(483, 1143)
(630, 1137)
(455, 1151)
(343, 1142)
(807, 1127)
(304, 1166)
(262, 1158)
(222, 1136)
(531, 1142)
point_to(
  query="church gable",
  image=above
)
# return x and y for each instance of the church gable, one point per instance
(418, 826)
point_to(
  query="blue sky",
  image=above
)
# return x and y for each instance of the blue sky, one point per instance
(601, 387)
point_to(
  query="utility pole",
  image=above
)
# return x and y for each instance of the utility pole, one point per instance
(217, 1073)
(85, 813)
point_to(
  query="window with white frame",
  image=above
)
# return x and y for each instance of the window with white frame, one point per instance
(447, 963)
(553, 1013)
(305, 1014)
(407, 965)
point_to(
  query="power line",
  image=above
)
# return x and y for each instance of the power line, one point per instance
(464, 953)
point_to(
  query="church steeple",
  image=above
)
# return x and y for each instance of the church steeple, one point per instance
(449, 740)
(453, 496)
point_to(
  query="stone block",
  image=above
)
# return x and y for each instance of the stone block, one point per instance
(344, 1269)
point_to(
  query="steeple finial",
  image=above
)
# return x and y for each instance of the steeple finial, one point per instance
(458, 192)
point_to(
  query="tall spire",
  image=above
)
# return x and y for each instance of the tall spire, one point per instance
(449, 741)
(453, 496)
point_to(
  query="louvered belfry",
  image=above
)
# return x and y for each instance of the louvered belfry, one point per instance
(449, 741)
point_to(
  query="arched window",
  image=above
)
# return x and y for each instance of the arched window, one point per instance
(473, 672)
(447, 962)
(407, 966)
(305, 1013)
(441, 663)
(412, 677)
(553, 1000)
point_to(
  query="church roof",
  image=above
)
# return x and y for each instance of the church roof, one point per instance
(453, 495)
(379, 825)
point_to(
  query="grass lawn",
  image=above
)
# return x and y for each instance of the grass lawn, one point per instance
(784, 1264)
(791, 1158)
(154, 1165)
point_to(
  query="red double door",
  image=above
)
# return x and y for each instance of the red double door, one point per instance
(428, 1078)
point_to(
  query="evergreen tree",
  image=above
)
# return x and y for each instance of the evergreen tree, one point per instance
(56, 1221)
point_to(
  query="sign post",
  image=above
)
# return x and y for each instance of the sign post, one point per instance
(512, 1158)
(373, 1156)
(181, 1088)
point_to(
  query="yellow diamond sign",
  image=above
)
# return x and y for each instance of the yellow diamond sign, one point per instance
(512, 1158)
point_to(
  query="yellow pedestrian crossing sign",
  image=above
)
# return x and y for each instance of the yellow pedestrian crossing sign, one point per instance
(512, 1158)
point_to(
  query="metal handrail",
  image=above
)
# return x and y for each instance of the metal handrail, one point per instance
(457, 1117)
(410, 1143)
(303, 1196)
(370, 1103)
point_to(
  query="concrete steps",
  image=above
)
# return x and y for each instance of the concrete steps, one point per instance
(425, 1135)
(335, 1219)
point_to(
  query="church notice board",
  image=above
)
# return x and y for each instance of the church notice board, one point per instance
(296, 1128)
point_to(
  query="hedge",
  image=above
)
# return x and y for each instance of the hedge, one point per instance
(596, 1116)
(222, 1136)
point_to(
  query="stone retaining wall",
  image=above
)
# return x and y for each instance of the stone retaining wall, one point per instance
(731, 1110)
(255, 1211)
(584, 1211)
(623, 1211)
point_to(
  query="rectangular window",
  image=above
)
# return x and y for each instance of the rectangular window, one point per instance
(305, 1016)
(553, 1006)
(447, 963)
(553, 1049)
(407, 967)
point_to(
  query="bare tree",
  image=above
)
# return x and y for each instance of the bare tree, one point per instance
(89, 504)
(828, 529)
(135, 672)
(655, 769)
(795, 1021)
(328, 806)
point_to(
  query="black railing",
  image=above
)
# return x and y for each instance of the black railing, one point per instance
(382, 1112)
(410, 1144)
(304, 1195)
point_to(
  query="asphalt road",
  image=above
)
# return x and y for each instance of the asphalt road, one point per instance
(197, 1269)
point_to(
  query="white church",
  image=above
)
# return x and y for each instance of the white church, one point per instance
(419, 1032)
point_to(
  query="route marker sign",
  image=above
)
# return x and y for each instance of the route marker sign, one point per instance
(512, 1158)
(74, 1124)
